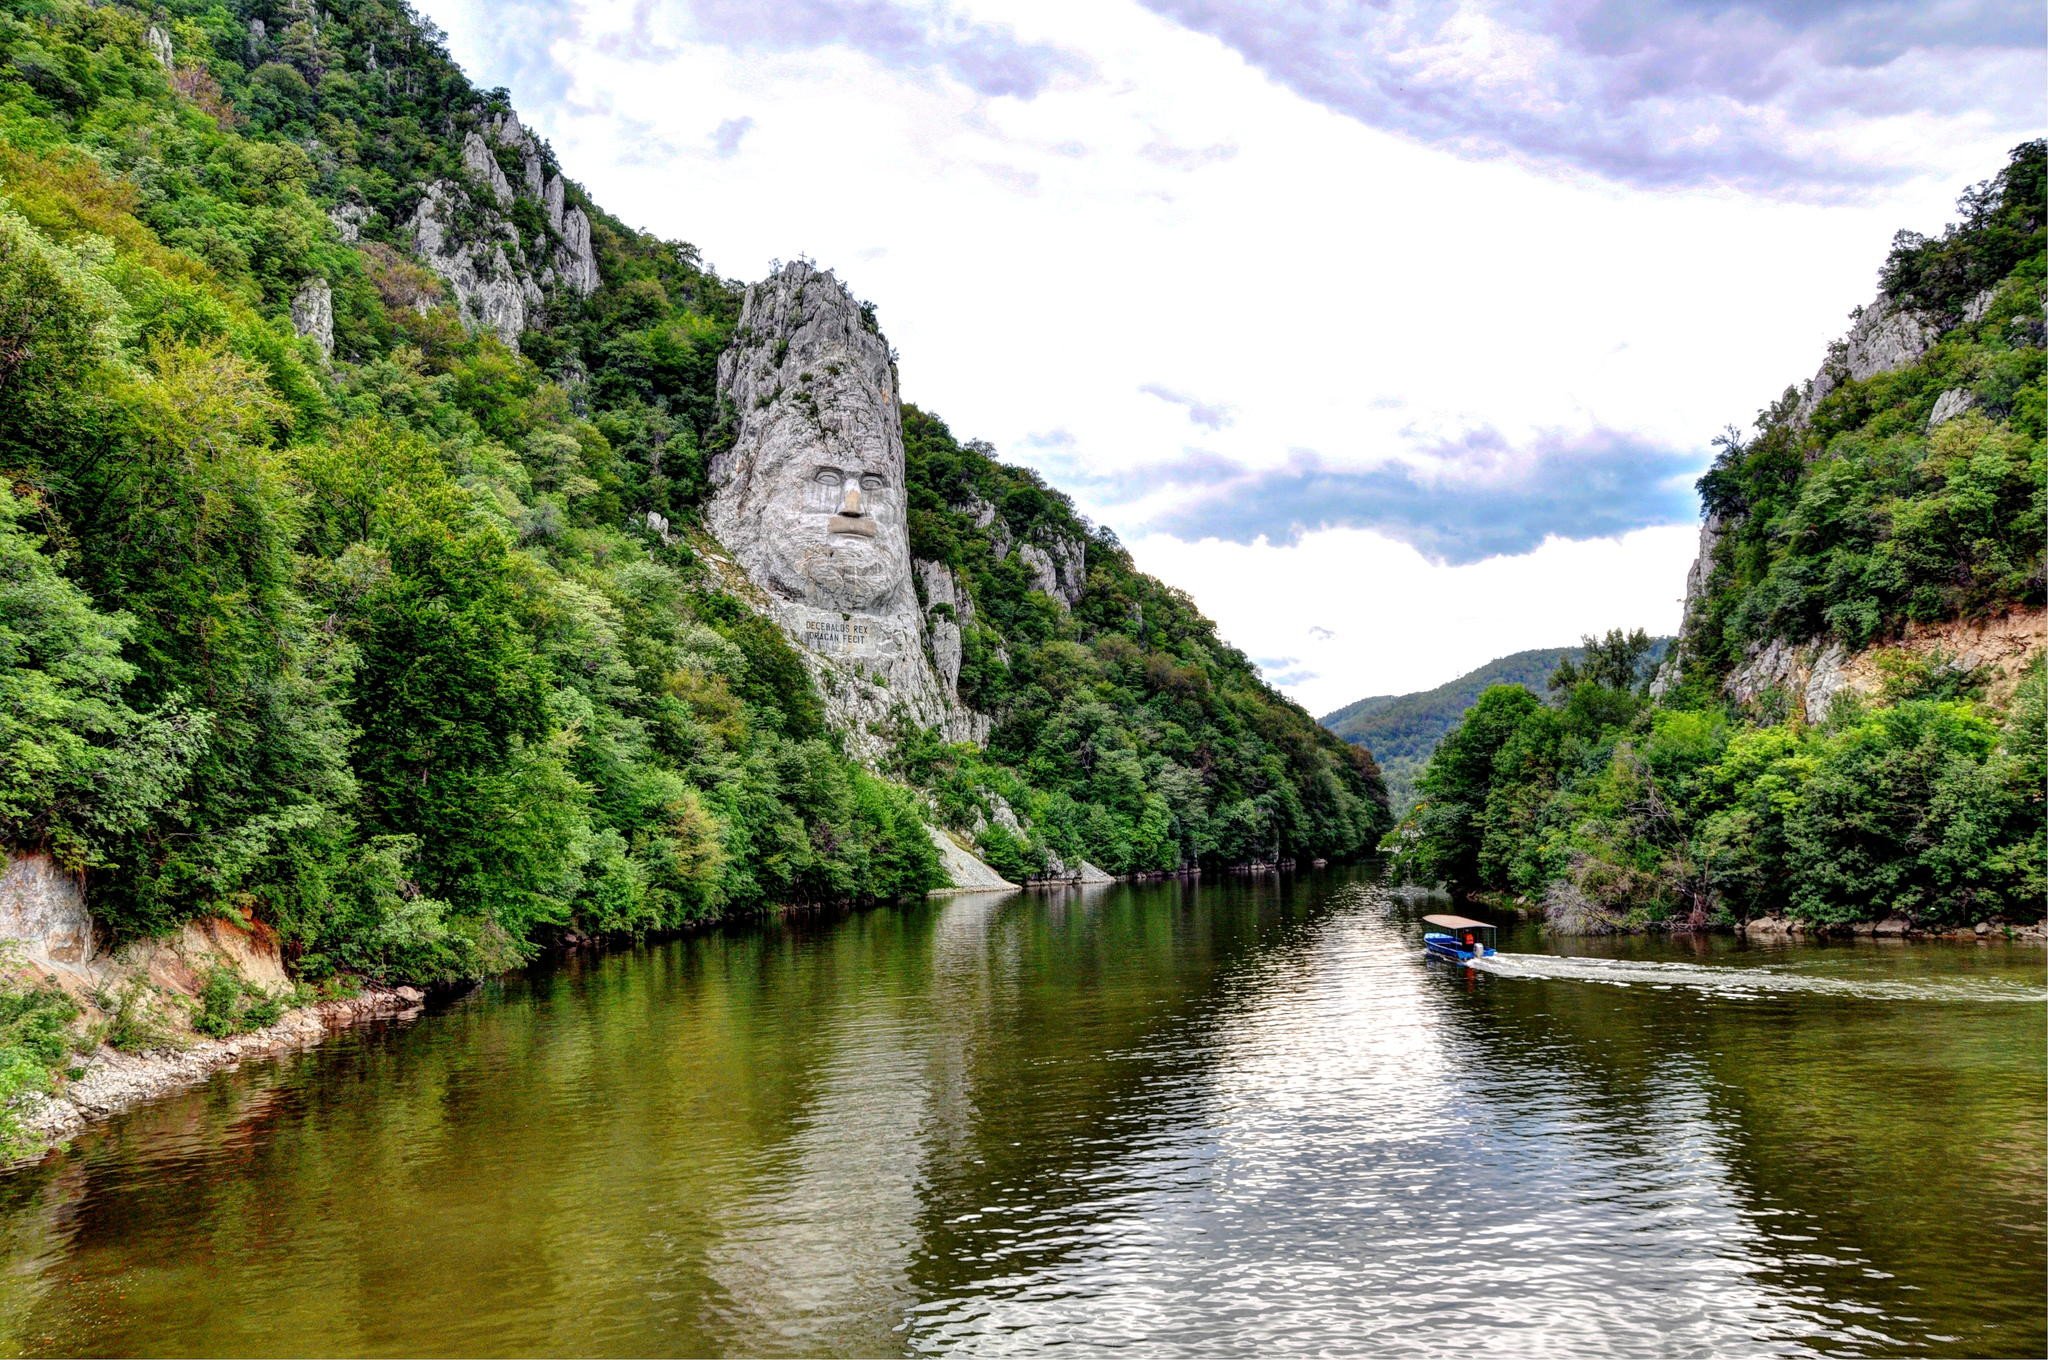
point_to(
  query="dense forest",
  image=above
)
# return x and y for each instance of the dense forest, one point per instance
(1861, 510)
(324, 606)
(1402, 730)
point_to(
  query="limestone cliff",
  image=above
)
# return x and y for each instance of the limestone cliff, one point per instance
(1805, 673)
(464, 231)
(811, 502)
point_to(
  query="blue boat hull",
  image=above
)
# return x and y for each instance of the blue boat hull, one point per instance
(1450, 947)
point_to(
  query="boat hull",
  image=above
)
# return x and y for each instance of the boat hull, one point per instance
(1449, 947)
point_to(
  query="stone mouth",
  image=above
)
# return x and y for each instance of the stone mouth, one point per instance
(862, 525)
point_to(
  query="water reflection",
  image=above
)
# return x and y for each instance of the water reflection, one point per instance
(1242, 1117)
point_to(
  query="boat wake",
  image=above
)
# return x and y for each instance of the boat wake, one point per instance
(1749, 982)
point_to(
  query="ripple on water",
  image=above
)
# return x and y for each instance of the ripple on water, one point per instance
(1244, 1118)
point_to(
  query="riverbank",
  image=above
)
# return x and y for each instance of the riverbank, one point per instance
(113, 1081)
(1574, 919)
(1891, 928)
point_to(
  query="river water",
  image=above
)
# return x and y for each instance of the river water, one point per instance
(1244, 1117)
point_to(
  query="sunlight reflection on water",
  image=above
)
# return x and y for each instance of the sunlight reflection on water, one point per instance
(1245, 1117)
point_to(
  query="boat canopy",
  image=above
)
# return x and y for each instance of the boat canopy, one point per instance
(1457, 923)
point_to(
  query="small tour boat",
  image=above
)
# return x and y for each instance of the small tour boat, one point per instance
(1459, 938)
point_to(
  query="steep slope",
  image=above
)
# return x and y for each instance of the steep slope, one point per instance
(1401, 730)
(1853, 729)
(1894, 498)
(368, 474)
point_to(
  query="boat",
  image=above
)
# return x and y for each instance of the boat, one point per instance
(1459, 938)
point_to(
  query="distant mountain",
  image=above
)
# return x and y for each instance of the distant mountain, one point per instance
(1401, 730)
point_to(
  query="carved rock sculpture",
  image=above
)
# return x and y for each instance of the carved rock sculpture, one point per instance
(811, 503)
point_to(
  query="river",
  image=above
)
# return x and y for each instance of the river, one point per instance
(1244, 1117)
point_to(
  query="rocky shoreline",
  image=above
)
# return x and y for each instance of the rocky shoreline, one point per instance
(114, 1081)
(1892, 928)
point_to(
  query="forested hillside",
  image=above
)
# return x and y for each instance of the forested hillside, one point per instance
(350, 467)
(1855, 722)
(1401, 730)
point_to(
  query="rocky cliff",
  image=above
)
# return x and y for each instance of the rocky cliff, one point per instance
(812, 502)
(463, 230)
(1876, 506)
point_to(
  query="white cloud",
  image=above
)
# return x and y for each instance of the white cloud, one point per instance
(1161, 217)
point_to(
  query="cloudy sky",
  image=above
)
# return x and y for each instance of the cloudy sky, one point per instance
(1394, 332)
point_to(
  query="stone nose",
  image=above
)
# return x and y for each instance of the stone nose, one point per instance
(849, 504)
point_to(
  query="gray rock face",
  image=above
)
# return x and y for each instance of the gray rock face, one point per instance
(313, 314)
(499, 280)
(575, 264)
(1070, 568)
(946, 608)
(1949, 405)
(160, 45)
(483, 167)
(965, 871)
(811, 503)
(1884, 337)
(553, 196)
(1045, 578)
(489, 291)
(1810, 676)
(1976, 307)
(1672, 669)
(1057, 570)
(349, 219)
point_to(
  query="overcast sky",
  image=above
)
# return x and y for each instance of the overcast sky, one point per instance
(1393, 332)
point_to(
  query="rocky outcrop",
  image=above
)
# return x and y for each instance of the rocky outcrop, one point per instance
(313, 314)
(43, 916)
(1059, 872)
(1059, 565)
(575, 265)
(965, 871)
(483, 167)
(1883, 337)
(46, 932)
(1810, 676)
(1069, 559)
(490, 293)
(946, 609)
(44, 923)
(500, 279)
(160, 46)
(811, 503)
(349, 219)
(1672, 668)
(1949, 405)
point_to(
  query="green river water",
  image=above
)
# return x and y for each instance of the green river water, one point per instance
(1246, 1117)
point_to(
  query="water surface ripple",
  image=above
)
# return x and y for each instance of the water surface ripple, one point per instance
(1242, 1118)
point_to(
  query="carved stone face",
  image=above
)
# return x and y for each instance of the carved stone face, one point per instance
(840, 540)
(811, 500)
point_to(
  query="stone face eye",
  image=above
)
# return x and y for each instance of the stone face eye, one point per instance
(827, 477)
(871, 482)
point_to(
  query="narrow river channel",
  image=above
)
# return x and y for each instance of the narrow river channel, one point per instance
(1244, 1117)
